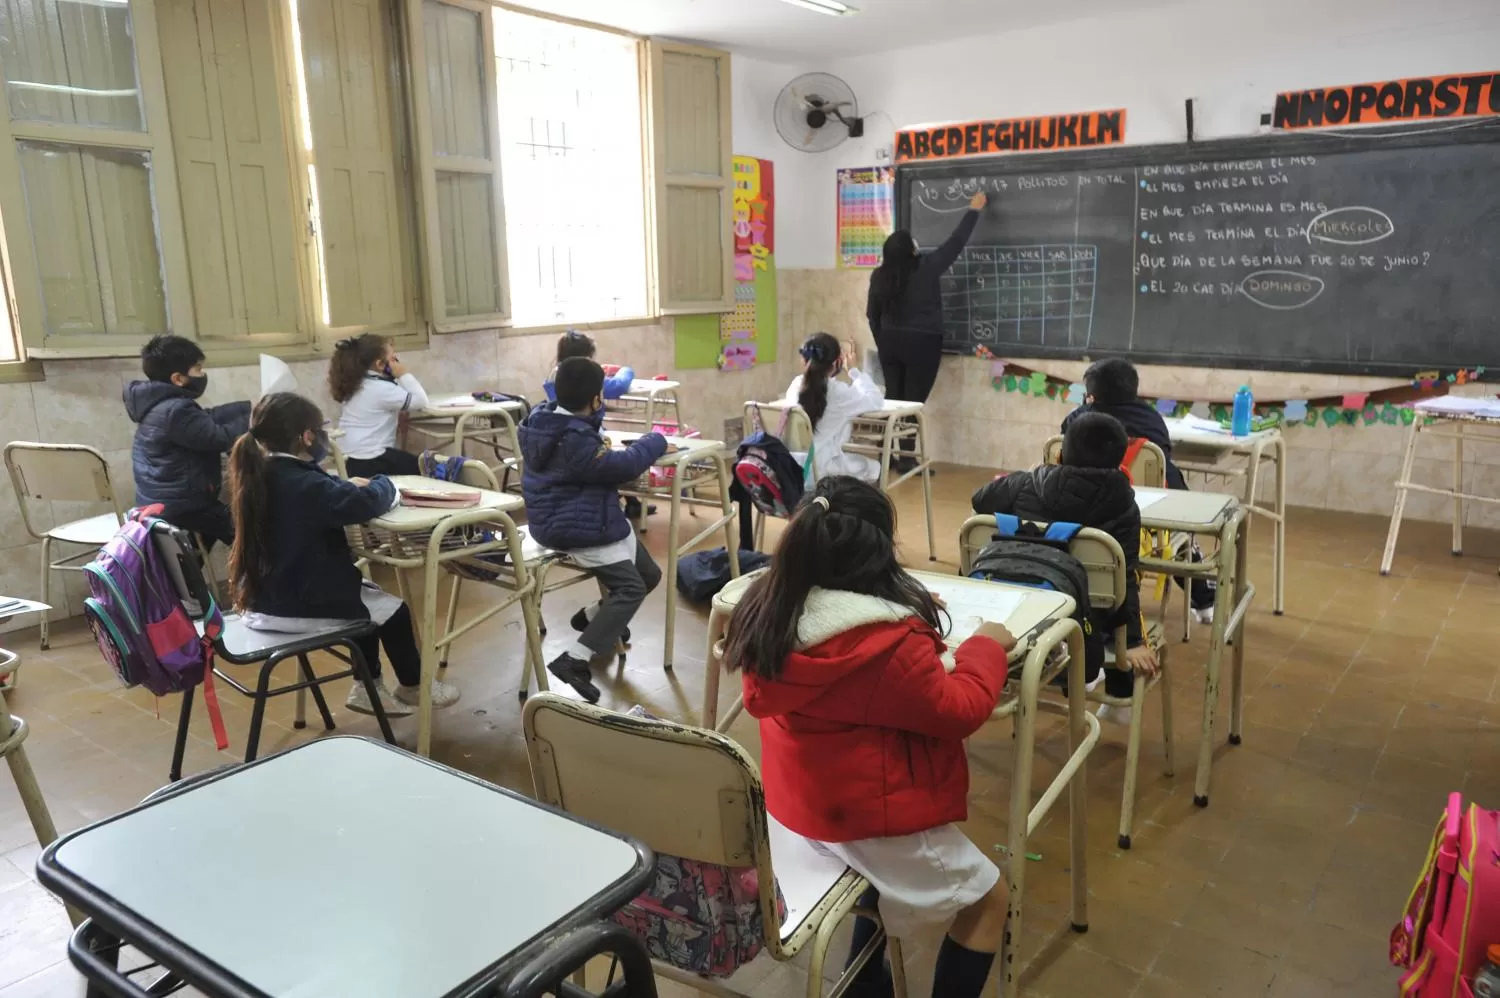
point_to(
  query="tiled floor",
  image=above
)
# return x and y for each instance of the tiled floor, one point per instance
(1369, 701)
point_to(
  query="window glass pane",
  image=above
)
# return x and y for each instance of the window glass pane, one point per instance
(93, 234)
(455, 81)
(71, 62)
(466, 220)
(570, 151)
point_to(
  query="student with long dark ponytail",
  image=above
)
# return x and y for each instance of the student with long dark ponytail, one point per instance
(368, 379)
(862, 727)
(833, 404)
(290, 568)
(905, 309)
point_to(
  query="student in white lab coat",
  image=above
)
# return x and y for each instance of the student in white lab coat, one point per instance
(833, 404)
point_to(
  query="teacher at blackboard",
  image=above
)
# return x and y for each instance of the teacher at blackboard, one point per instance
(905, 309)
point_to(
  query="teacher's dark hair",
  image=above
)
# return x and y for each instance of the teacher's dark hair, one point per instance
(822, 352)
(898, 261)
(843, 537)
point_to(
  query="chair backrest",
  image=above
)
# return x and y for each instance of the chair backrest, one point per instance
(180, 555)
(798, 434)
(1149, 469)
(1098, 553)
(61, 472)
(682, 791)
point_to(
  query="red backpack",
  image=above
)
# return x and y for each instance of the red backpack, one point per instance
(1453, 913)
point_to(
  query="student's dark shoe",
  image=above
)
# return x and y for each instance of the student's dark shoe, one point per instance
(633, 508)
(575, 672)
(580, 624)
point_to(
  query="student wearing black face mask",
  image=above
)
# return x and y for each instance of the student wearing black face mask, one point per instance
(290, 568)
(179, 443)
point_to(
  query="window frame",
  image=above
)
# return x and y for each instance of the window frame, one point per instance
(155, 140)
(429, 165)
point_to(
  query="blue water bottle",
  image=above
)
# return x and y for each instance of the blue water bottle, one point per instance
(1244, 407)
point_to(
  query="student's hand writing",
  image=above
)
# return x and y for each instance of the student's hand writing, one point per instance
(998, 632)
(361, 482)
(1142, 660)
(978, 201)
(671, 449)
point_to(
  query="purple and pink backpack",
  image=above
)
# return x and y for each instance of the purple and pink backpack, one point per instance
(1453, 913)
(140, 624)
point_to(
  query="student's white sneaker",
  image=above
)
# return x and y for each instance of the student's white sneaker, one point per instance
(359, 701)
(1204, 615)
(1108, 712)
(443, 694)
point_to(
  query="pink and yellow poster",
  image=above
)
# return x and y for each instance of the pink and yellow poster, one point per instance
(738, 340)
(866, 214)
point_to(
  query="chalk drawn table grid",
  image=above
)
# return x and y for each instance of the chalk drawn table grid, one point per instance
(1039, 293)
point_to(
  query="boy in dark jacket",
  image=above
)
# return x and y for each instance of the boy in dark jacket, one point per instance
(1087, 488)
(1112, 386)
(571, 485)
(178, 443)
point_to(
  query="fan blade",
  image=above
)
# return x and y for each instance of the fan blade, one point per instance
(812, 133)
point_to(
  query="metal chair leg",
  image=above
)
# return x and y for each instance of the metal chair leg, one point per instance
(362, 675)
(258, 712)
(46, 587)
(175, 773)
(308, 676)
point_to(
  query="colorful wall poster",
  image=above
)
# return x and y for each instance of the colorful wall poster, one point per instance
(739, 339)
(866, 214)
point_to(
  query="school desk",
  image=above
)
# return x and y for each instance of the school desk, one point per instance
(315, 872)
(694, 463)
(410, 537)
(1478, 426)
(644, 405)
(1046, 635)
(1224, 518)
(456, 419)
(878, 434)
(1197, 449)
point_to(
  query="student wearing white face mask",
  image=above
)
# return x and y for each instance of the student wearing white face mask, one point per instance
(367, 378)
(832, 404)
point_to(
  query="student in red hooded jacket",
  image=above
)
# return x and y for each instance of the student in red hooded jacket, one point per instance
(862, 727)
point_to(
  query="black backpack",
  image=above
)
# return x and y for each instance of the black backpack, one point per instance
(1024, 555)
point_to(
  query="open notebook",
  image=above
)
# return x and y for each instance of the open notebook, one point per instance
(440, 498)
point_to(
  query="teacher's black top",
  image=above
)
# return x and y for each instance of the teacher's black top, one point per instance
(920, 311)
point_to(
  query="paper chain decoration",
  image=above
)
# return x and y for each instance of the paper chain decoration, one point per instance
(1388, 406)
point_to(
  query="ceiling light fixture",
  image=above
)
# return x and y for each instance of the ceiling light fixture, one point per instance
(833, 8)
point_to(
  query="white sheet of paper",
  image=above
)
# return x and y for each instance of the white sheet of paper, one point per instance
(1191, 422)
(969, 606)
(1145, 500)
(275, 375)
(1461, 406)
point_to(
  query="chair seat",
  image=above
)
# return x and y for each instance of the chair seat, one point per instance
(242, 645)
(96, 530)
(805, 875)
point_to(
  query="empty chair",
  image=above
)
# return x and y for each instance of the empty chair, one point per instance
(63, 473)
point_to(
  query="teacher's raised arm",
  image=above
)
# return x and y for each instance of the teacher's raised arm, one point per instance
(905, 309)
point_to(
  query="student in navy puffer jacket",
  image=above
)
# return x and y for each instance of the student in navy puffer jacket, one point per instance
(571, 484)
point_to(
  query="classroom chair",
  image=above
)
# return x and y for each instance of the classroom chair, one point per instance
(1104, 561)
(63, 473)
(1149, 469)
(793, 428)
(697, 795)
(240, 645)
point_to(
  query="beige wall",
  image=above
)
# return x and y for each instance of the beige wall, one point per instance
(79, 403)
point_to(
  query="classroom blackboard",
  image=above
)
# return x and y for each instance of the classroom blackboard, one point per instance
(1372, 252)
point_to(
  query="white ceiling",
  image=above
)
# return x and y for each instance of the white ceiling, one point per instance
(780, 31)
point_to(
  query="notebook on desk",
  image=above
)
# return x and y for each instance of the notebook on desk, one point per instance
(440, 498)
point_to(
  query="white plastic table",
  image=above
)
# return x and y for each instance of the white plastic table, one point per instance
(1042, 623)
(695, 462)
(279, 878)
(409, 537)
(1454, 425)
(1205, 451)
(644, 404)
(1224, 518)
(491, 424)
